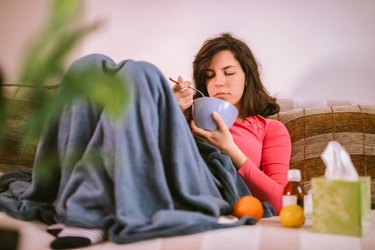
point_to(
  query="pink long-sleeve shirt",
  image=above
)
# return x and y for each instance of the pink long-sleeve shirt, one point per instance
(267, 145)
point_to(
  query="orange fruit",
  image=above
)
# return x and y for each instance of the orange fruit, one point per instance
(248, 206)
(292, 216)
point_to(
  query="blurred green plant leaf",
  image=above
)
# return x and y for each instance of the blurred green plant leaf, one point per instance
(45, 62)
(62, 32)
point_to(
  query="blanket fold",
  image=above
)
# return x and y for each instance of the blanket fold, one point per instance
(140, 178)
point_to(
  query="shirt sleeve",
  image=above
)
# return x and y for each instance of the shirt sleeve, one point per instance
(268, 182)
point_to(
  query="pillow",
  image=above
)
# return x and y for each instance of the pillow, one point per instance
(291, 103)
(14, 153)
(353, 126)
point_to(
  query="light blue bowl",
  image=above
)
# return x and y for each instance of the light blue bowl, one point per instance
(203, 108)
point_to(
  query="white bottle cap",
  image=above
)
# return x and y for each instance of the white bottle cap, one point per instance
(294, 175)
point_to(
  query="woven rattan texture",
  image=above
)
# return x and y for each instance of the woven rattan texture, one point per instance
(15, 153)
(353, 126)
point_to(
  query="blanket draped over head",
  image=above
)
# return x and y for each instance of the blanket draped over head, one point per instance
(137, 179)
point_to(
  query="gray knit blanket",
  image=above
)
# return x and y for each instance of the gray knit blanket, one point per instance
(140, 178)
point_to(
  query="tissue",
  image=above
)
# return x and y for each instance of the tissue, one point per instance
(341, 199)
(339, 166)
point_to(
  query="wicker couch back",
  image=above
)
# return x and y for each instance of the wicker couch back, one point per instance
(16, 154)
(353, 126)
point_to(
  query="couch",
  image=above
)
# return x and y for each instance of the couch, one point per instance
(311, 124)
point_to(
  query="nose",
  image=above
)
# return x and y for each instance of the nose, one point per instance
(218, 80)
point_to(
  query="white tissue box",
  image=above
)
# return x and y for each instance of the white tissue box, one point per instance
(341, 207)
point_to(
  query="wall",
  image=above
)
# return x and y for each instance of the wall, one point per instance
(20, 21)
(307, 49)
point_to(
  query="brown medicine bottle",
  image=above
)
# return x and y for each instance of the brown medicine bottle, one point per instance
(293, 192)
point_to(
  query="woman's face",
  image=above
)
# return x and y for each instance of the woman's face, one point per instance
(225, 78)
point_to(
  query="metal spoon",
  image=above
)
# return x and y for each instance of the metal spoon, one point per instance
(200, 92)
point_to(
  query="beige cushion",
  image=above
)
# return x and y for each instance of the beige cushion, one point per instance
(287, 104)
(353, 126)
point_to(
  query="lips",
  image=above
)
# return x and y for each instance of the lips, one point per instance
(221, 94)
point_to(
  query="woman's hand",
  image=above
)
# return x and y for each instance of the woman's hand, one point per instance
(183, 94)
(222, 139)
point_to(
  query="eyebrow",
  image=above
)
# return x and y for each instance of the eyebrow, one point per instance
(226, 67)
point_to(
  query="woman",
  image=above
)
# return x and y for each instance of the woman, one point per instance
(259, 148)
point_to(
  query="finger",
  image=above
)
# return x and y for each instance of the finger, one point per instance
(219, 121)
(182, 82)
(199, 131)
(195, 129)
(193, 126)
(184, 96)
(179, 82)
(181, 87)
(180, 79)
(186, 104)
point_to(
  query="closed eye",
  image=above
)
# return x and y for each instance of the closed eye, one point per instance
(209, 74)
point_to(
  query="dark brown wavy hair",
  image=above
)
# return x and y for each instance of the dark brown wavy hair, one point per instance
(255, 99)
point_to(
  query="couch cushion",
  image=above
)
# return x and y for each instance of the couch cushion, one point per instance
(353, 126)
(287, 104)
(15, 154)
